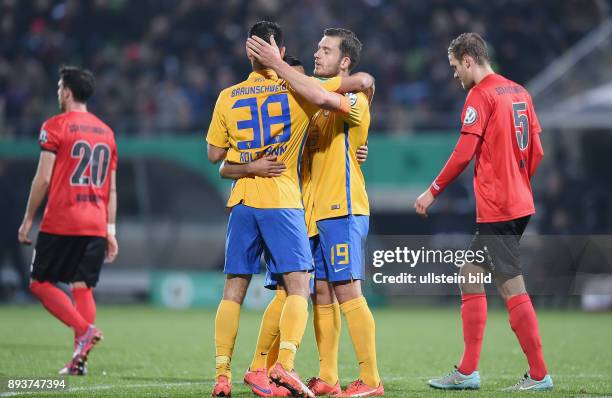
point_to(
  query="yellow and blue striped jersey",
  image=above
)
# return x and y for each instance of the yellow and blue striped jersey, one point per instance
(263, 116)
(338, 183)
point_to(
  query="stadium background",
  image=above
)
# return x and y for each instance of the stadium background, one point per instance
(160, 65)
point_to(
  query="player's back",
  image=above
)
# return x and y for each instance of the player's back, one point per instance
(502, 163)
(86, 155)
(262, 116)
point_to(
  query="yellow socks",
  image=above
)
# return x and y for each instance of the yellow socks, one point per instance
(327, 332)
(226, 329)
(268, 331)
(292, 325)
(272, 356)
(363, 333)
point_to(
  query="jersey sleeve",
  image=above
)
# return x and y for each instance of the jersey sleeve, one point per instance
(217, 131)
(114, 157)
(50, 136)
(358, 107)
(534, 123)
(476, 113)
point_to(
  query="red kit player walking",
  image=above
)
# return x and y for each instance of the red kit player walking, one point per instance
(77, 169)
(500, 128)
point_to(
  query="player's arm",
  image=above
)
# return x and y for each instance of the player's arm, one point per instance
(217, 137)
(112, 247)
(38, 191)
(462, 154)
(537, 154)
(360, 81)
(215, 153)
(306, 87)
(266, 166)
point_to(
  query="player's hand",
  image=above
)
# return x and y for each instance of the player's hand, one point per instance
(112, 248)
(267, 54)
(24, 231)
(423, 202)
(362, 154)
(266, 166)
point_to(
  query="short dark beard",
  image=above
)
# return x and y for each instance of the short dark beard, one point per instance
(330, 75)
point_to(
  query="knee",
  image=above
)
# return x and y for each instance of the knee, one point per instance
(234, 294)
(297, 283)
(471, 288)
(347, 291)
(323, 293)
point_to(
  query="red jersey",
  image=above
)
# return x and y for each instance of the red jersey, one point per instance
(501, 113)
(86, 155)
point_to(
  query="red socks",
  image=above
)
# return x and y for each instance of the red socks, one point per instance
(474, 318)
(522, 320)
(524, 323)
(85, 303)
(59, 305)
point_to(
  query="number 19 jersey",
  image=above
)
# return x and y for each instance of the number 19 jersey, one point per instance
(262, 116)
(85, 156)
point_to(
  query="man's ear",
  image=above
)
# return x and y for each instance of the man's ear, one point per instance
(345, 63)
(282, 52)
(468, 61)
(67, 93)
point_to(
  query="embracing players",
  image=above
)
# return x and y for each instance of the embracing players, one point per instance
(264, 116)
(77, 168)
(500, 128)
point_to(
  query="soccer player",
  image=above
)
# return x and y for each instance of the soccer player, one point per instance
(501, 129)
(341, 213)
(266, 350)
(77, 168)
(265, 115)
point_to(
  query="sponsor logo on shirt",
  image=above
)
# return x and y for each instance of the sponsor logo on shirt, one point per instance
(470, 116)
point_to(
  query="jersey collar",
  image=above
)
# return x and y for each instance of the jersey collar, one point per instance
(265, 73)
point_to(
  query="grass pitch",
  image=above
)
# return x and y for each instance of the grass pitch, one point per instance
(150, 352)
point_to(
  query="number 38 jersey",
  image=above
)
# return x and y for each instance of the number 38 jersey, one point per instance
(262, 116)
(501, 113)
(86, 155)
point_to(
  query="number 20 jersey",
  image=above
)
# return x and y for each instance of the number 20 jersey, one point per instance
(86, 155)
(262, 116)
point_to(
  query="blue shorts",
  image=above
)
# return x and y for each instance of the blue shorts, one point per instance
(279, 234)
(342, 244)
(272, 280)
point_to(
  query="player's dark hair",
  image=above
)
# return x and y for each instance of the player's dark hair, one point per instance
(80, 81)
(265, 29)
(350, 46)
(292, 61)
(471, 44)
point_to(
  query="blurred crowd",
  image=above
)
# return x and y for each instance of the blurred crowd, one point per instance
(161, 63)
